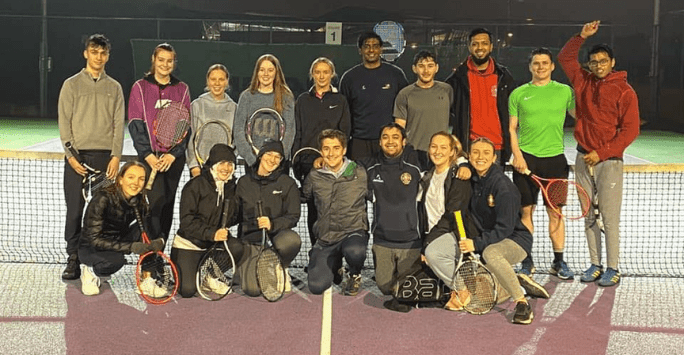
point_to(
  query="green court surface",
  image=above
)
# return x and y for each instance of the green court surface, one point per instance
(657, 147)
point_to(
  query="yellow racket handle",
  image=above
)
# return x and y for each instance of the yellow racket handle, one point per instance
(459, 224)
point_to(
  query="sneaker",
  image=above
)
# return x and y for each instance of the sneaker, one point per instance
(458, 300)
(592, 273)
(353, 285)
(527, 268)
(288, 282)
(561, 270)
(340, 275)
(216, 286)
(73, 269)
(90, 283)
(523, 313)
(149, 288)
(532, 288)
(397, 306)
(610, 278)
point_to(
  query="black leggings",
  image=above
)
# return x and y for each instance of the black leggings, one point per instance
(187, 263)
(324, 261)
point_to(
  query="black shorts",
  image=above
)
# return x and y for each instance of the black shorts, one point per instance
(551, 167)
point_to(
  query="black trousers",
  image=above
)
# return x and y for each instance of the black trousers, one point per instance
(106, 262)
(187, 263)
(73, 196)
(162, 198)
(324, 261)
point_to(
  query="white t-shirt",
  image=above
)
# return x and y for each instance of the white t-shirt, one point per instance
(434, 199)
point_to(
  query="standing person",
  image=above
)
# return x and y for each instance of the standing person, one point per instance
(267, 89)
(322, 107)
(539, 106)
(494, 230)
(340, 191)
(481, 90)
(607, 122)
(203, 202)
(370, 89)
(150, 94)
(110, 231)
(394, 177)
(91, 117)
(213, 105)
(269, 183)
(423, 107)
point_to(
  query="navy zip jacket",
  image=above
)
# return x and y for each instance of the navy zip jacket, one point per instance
(394, 183)
(497, 217)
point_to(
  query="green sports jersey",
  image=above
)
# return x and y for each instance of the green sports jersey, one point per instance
(541, 115)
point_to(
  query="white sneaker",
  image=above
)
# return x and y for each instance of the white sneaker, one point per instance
(217, 286)
(149, 287)
(90, 283)
(288, 282)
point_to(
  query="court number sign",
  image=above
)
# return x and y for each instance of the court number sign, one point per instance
(333, 33)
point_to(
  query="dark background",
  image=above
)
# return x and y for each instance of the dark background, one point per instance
(628, 28)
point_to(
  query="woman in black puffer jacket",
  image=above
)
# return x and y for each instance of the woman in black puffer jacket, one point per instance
(110, 229)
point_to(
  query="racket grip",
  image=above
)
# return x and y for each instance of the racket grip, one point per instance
(260, 209)
(73, 151)
(150, 181)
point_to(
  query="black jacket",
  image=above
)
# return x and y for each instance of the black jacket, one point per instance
(201, 209)
(108, 222)
(497, 217)
(394, 183)
(457, 195)
(280, 200)
(460, 110)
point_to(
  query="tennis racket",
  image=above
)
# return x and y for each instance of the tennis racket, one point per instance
(595, 201)
(269, 269)
(209, 134)
(565, 197)
(155, 274)
(94, 180)
(170, 128)
(264, 124)
(302, 161)
(472, 276)
(216, 268)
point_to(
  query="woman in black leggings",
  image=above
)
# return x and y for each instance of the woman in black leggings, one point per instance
(201, 211)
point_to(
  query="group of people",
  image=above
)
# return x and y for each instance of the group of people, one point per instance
(418, 152)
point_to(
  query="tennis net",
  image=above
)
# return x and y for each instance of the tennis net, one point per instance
(651, 227)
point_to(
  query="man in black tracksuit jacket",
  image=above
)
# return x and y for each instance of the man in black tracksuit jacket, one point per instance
(393, 178)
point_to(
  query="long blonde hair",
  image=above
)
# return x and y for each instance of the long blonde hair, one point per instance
(455, 145)
(280, 88)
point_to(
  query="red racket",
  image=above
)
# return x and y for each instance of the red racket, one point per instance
(155, 274)
(565, 197)
(170, 128)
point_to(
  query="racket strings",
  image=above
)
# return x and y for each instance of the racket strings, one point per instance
(172, 124)
(270, 275)
(567, 195)
(480, 284)
(210, 134)
(161, 273)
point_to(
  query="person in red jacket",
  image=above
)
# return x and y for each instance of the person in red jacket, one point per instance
(607, 114)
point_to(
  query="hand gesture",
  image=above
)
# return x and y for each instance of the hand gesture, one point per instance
(264, 223)
(113, 168)
(221, 235)
(590, 29)
(519, 163)
(78, 168)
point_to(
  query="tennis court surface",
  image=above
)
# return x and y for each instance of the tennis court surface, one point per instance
(41, 314)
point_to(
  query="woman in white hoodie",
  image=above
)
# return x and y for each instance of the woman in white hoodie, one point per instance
(213, 105)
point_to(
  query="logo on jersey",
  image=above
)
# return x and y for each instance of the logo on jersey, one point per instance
(493, 90)
(405, 178)
(378, 178)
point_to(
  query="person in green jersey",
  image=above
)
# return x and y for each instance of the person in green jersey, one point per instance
(537, 114)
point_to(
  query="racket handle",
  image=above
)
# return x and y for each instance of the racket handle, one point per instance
(73, 151)
(527, 172)
(260, 209)
(591, 170)
(150, 181)
(459, 224)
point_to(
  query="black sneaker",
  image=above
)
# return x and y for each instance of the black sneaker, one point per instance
(73, 269)
(523, 313)
(353, 285)
(532, 288)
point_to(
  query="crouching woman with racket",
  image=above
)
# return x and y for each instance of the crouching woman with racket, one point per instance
(205, 200)
(110, 229)
(158, 111)
(268, 185)
(499, 236)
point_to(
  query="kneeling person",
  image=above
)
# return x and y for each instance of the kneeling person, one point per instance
(339, 190)
(202, 204)
(110, 230)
